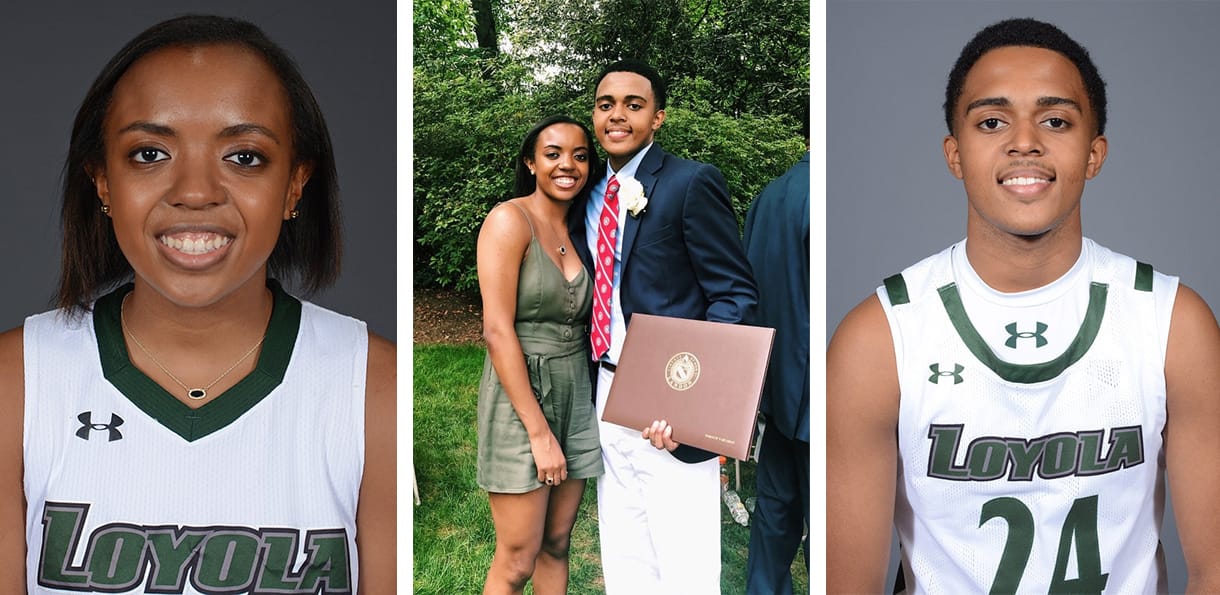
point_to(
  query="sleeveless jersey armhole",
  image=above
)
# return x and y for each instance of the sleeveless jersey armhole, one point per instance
(893, 292)
(1164, 289)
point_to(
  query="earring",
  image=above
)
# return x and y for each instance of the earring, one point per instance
(105, 209)
(294, 214)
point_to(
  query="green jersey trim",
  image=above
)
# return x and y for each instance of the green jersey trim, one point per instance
(1026, 373)
(896, 288)
(1143, 276)
(152, 399)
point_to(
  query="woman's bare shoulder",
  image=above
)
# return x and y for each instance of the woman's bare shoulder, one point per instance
(12, 358)
(382, 367)
(12, 425)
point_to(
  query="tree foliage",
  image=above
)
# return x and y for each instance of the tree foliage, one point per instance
(467, 130)
(441, 27)
(749, 150)
(739, 84)
(755, 53)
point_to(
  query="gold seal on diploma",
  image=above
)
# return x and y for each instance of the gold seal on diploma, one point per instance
(682, 371)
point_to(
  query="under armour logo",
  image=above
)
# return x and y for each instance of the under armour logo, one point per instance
(87, 426)
(1013, 335)
(937, 374)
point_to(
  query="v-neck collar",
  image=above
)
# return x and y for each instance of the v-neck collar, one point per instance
(152, 399)
(536, 246)
(1026, 373)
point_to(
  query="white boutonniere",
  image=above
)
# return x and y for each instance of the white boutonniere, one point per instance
(631, 195)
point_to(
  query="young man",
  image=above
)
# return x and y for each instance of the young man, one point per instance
(667, 244)
(1010, 404)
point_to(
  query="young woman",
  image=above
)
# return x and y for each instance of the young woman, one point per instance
(182, 424)
(537, 430)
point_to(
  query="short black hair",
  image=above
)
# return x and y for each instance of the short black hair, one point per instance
(524, 182)
(309, 247)
(1028, 33)
(659, 89)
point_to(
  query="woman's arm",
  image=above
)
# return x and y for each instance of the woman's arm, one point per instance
(12, 493)
(503, 241)
(376, 520)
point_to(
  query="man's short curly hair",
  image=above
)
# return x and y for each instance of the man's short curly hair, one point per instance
(1028, 33)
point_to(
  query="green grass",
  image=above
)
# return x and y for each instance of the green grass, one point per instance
(453, 533)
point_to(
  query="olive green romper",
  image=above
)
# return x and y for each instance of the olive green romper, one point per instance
(551, 319)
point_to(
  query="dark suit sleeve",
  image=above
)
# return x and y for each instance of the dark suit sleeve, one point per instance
(719, 262)
(714, 245)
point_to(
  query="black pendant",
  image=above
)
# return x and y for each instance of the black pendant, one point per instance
(197, 394)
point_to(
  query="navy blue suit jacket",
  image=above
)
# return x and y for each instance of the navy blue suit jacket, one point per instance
(682, 255)
(777, 245)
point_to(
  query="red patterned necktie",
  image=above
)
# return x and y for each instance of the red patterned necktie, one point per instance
(607, 232)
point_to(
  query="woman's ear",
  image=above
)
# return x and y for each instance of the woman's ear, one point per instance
(296, 186)
(101, 185)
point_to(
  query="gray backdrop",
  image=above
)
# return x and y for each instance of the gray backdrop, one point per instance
(50, 52)
(890, 199)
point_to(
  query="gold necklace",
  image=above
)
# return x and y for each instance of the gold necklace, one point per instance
(195, 394)
(563, 248)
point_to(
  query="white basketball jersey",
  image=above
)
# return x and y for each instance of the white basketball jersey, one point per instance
(130, 491)
(1029, 431)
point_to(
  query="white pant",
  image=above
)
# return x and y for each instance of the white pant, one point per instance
(659, 518)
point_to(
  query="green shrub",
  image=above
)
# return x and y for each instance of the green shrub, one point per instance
(750, 151)
(469, 119)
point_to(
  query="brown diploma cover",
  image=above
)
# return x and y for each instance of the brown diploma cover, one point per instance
(704, 378)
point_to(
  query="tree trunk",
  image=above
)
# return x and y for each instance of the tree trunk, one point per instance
(485, 27)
